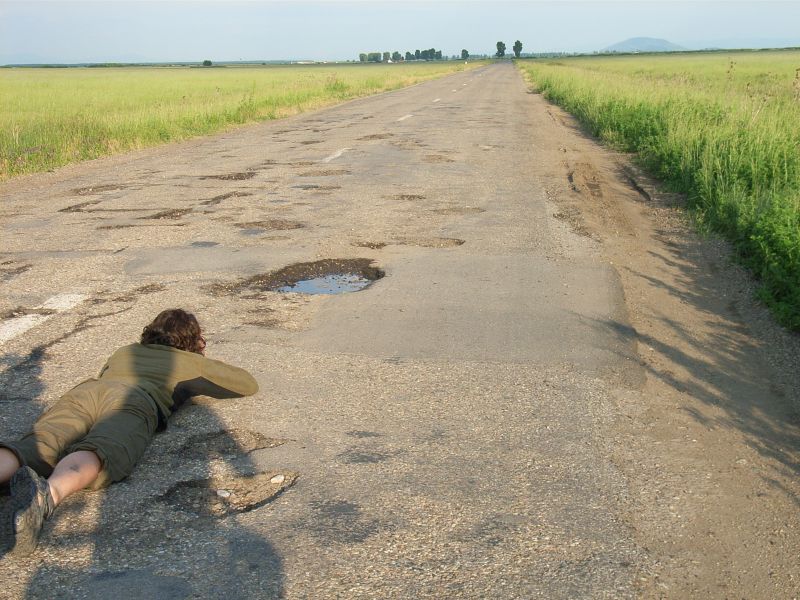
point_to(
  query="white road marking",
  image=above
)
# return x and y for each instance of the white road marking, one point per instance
(63, 302)
(437, 100)
(404, 118)
(335, 155)
(19, 325)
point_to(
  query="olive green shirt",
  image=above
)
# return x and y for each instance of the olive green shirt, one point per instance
(170, 376)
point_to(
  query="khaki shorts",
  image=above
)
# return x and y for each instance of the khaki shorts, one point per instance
(113, 420)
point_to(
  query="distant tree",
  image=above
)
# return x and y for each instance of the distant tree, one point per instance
(409, 56)
(501, 50)
(464, 55)
(386, 56)
(431, 53)
(424, 55)
(374, 57)
(517, 48)
(417, 55)
(206, 63)
(438, 55)
(362, 57)
(396, 56)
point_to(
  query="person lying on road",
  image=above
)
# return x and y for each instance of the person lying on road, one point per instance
(95, 433)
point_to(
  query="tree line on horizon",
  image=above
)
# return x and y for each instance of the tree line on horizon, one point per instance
(429, 54)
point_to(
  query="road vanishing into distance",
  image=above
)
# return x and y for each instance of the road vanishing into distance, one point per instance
(557, 390)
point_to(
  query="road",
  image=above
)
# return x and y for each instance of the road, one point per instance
(556, 391)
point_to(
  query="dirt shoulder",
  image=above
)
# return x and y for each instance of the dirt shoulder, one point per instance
(711, 443)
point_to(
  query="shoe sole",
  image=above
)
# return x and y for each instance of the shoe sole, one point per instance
(23, 502)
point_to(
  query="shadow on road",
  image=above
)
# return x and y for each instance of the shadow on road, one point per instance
(126, 541)
(722, 364)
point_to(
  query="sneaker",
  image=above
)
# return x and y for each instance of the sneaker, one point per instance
(32, 504)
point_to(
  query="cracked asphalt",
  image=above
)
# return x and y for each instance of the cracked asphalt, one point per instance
(452, 431)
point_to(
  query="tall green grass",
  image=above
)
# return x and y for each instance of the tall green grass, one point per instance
(722, 128)
(51, 117)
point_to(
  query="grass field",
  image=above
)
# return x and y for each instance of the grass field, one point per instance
(52, 117)
(724, 128)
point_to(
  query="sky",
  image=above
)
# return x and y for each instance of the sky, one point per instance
(70, 31)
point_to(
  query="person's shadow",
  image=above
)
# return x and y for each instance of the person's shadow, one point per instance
(171, 529)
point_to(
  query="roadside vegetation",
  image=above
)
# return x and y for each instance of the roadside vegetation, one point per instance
(723, 128)
(52, 117)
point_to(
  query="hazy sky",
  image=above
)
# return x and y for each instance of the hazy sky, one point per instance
(140, 30)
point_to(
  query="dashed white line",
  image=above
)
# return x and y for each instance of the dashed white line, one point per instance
(19, 325)
(335, 155)
(405, 117)
(437, 100)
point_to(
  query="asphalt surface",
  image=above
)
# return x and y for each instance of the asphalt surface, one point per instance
(439, 434)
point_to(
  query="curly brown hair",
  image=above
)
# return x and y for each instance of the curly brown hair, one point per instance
(176, 328)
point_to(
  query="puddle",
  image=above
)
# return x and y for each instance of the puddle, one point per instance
(203, 244)
(328, 284)
(327, 276)
(219, 497)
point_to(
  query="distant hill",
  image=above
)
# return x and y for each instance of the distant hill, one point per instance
(643, 44)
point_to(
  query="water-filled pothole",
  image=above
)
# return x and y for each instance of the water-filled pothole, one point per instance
(328, 284)
(327, 276)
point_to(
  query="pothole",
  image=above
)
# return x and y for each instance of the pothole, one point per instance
(219, 497)
(327, 276)
(271, 225)
(79, 207)
(312, 186)
(437, 158)
(372, 245)
(405, 197)
(97, 189)
(231, 176)
(325, 173)
(436, 242)
(172, 213)
(375, 136)
(217, 199)
(219, 444)
(203, 244)
(458, 210)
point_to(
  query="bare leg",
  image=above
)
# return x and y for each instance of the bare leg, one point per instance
(9, 463)
(73, 473)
